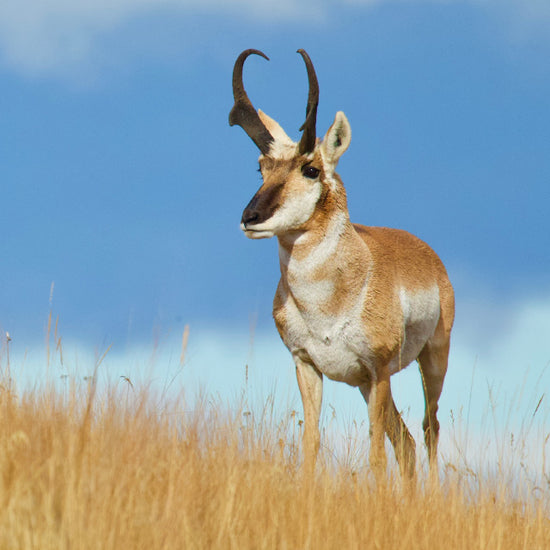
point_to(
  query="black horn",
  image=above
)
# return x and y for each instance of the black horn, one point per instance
(243, 112)
(307, 143)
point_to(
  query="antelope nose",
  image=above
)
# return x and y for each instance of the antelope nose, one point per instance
(250, 216)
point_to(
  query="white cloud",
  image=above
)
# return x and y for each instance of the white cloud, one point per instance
(45, 36)
(56, 36)
(518, 12)
(38, 36)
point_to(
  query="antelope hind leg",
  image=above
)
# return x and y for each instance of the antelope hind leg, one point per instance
(433, 366)
(400, 437)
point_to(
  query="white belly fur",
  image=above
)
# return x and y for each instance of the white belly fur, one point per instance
(338, 345)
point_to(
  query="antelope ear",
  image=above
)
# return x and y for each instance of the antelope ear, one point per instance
(274, 128)
(336, 140)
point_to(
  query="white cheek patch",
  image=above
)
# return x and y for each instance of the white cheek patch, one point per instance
(296, 209)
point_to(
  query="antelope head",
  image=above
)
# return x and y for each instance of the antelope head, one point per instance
(300, 186)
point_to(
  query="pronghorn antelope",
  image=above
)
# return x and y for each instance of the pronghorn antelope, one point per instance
(354, 303)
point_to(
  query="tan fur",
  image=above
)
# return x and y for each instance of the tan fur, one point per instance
(354, 303)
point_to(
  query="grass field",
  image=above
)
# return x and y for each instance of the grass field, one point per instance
(119, 467)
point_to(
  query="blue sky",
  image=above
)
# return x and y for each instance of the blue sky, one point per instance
(123, 184)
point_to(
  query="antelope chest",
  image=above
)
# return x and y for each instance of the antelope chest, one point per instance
(339, 344)
(336, 343)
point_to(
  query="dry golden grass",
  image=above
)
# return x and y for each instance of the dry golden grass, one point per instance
(122, 469)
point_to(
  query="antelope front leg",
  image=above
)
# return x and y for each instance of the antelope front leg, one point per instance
(378, 413)
(310, 382)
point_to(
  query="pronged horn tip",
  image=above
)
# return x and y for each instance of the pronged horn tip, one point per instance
(243, 112)
(307, 143)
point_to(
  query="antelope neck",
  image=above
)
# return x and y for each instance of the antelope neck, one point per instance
(316, 255)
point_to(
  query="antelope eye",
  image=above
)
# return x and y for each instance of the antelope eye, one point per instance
(310, 172)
